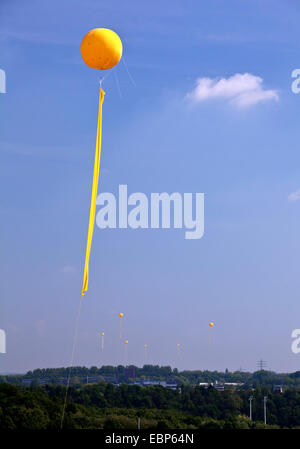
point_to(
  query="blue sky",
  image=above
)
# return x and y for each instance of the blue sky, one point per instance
(243, 274)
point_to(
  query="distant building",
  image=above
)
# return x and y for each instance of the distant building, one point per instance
(148, 383)
(220, 386)
(277, 388)
(170, 384)
(43, 381)
(92, 380)
(204, 384)
(130, 372)
(110, 379)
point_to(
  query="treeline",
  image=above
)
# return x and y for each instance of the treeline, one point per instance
(119, 374)
(107, 406)
(82, 374)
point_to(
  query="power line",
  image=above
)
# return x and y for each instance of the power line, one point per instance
(261, 364)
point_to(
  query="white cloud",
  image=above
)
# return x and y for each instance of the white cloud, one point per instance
(294, 196)
(242, 90)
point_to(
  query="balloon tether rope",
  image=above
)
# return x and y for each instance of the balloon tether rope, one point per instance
(71, 362)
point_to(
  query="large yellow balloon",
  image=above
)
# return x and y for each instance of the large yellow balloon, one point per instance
(121, 314)
(101, 49)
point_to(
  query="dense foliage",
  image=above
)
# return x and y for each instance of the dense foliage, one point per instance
(104, 405)
(119, 374)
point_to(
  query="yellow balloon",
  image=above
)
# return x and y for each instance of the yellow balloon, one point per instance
(126, 342)
(211, 324)
(102, 333)
(120, 315)
(101, 49)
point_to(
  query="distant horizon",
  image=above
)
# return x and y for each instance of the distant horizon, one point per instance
(115, 366)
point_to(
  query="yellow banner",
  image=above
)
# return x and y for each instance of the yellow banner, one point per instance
(94, 195)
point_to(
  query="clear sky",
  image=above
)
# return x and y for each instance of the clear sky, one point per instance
(190, 123)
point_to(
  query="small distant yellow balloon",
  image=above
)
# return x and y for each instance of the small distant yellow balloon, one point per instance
(120, 315)
(101, 49)
(102, 334)
(126, 342)
(211, 324)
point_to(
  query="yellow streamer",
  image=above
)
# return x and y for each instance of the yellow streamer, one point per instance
(94, 195)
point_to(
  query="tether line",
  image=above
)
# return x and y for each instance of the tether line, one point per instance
(71, 362)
